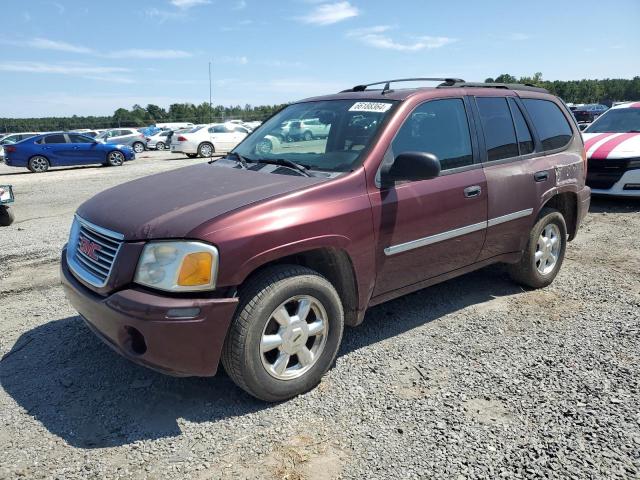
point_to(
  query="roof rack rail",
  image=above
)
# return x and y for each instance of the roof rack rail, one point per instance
(387, 83)
(508, 86)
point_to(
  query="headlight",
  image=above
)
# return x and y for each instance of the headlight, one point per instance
(178, 266)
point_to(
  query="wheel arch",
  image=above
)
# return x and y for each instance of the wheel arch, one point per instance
(335, 264)
(567, 204)
(40, 155)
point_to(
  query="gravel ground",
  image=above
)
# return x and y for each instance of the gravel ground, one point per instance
(473, 378)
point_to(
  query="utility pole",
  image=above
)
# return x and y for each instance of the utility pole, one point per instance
(210, 106)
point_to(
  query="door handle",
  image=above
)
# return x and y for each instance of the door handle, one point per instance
(76, 148)
(473, 191)
(542, 176)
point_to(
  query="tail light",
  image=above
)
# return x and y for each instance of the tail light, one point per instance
(182, 139)
(9, 149)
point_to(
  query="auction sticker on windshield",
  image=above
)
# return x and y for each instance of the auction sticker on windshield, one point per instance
(370, 107)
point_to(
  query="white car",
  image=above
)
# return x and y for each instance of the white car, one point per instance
(159, 140)
(207, 140)
(612, 143)
(13, 138)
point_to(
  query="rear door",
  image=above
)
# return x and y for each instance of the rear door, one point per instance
(517, 169)
(431, 227)
(53, 147)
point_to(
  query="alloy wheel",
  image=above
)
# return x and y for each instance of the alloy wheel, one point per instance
(548, 249)
(294, 337)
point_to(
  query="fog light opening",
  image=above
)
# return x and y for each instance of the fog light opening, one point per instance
(136, 341)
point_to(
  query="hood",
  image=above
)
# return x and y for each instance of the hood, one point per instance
(601, 146)
(171, 204)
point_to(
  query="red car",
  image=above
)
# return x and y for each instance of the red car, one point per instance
(259, 259)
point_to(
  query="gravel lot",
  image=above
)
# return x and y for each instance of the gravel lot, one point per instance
(474, 378)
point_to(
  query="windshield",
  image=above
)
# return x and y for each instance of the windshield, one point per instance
(326, 135)
(619, 120)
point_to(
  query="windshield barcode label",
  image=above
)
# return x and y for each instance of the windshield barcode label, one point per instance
(370, 107)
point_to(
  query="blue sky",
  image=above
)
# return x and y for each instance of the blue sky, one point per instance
(68, 57)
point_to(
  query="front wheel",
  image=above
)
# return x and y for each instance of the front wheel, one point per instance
(308, 136)
(138, 147)
(6, 216)
(159, 146)
(285, 334)
(115, 158)
(544, 253)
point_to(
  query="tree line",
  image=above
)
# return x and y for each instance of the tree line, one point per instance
(605, 91)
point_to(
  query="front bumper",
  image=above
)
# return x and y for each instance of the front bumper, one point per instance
(137, 324)
(627, 186)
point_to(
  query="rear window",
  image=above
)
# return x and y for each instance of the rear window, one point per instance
(55, 139)
(550, 123)
(499, 134)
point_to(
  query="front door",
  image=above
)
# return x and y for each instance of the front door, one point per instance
(431, 227)
(82, 150)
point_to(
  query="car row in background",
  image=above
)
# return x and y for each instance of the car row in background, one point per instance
(61, 149)
(588, 113)
(207, 140)
(612, 145)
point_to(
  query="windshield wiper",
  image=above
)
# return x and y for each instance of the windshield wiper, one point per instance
(239, 158)
(283, 162)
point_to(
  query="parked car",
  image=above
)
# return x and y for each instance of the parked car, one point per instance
(206, 140)
(12, 138)
(124, 136)
(64, 149)
(89, 133)
(307, 129)
(160, 140)
(612, 144)
(261, 259)
(588, 113)
(6, 199)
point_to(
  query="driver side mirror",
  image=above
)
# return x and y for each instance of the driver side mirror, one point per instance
(411, 166)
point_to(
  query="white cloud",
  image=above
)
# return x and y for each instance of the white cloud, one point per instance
(47, 44)
(240, 5)
(147, 53)
(378, 38)
(162, 16)
(58, 7)
(241, 60)
(184, 4)
(329, 13)
(92, 72)
(519, 37)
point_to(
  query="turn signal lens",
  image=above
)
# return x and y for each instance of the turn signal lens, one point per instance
(195, 269)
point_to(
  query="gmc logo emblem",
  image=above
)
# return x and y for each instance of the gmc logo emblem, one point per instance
(89, 248)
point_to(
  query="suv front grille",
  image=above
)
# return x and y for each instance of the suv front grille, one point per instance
(92, 251)
(603, 174)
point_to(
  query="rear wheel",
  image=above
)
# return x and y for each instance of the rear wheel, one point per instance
(205, 149)
(138, 147)
(38, 164)
(285, 334)
(308, 135)
(115, 158)
(6, 216)
(191, 155)
(544, 253)
(160, 146)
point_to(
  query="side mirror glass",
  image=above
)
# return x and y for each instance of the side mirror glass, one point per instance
(412, 166)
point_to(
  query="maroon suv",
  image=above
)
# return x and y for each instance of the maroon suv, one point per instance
(260, 258)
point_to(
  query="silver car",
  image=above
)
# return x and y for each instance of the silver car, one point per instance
(124, 136)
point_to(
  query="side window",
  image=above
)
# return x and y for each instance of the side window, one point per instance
(55, 139)
(499, 134)
(525, 142)
(549, 122)
(439, 127)
(75, 138)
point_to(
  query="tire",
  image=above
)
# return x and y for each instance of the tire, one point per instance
(191, 155)
(159, 146)
(205, 149)
(38, 164)
(115, 158)
(256, 370)
(264, 147)
(138, 147)
(308, 136)
(6, 216)
(542, 259)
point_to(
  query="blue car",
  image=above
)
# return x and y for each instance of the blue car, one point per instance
(62, 150)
